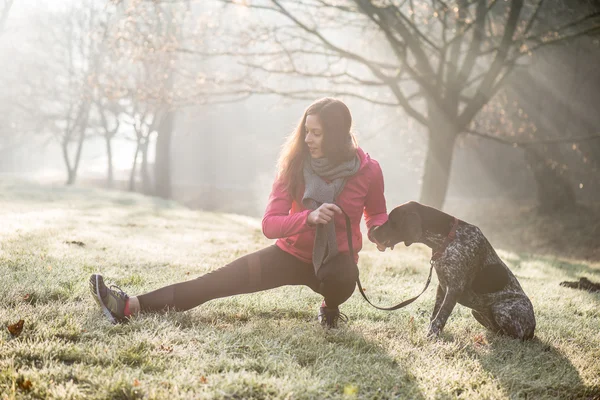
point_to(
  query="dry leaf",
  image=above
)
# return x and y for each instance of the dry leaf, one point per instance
(350, 390)
(16, 329)
(168, 349)
(136, 383)
(25, 385)
(76, 242)
(203, 379)
(479, 340)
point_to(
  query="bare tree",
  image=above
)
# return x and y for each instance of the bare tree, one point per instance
(153, 79)
(72, 56)
(440, 61)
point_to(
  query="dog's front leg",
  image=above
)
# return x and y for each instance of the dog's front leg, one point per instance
(439, 319)
(439, 298)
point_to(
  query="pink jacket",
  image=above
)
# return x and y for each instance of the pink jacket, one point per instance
(286, 220)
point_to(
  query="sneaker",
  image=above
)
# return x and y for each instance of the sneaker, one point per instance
(329, 317)
(112, 300)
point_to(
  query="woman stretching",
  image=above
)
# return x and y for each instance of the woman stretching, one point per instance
(320, 167)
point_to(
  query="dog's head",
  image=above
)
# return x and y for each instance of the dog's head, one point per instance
(403, 225)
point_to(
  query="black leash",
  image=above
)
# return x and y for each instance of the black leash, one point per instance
(362, 292)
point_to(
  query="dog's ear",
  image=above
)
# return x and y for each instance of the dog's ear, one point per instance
(413, 228)
(395, 218)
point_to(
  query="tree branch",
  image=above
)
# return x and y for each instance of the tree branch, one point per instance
(353, 56)
(475, 45)
(533, 18)
(482, 95)
(563, 39)
(516, 143)
(312, 94)
(355, 80)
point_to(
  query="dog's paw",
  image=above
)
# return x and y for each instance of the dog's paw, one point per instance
(433, 332)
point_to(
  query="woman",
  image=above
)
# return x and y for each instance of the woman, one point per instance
(320, 165)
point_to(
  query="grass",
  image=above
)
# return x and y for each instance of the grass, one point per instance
(264, 345)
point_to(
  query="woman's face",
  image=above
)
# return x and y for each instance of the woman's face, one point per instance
(314, 136)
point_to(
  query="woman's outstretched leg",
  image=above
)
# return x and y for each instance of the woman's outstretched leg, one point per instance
(265, 269)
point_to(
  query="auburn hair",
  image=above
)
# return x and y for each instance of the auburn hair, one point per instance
(339, 144)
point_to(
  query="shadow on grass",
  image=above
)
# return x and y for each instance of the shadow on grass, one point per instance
(570, 268)
(289, 345)
(533, 370)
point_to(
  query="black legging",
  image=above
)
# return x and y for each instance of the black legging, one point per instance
(265, 269)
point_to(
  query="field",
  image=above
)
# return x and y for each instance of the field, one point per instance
(266, 345)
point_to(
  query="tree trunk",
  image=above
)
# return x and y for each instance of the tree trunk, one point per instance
(162, 162)
(134, 167)
(73, 176)
(109, 174)
(146, 181)
(70, 177)
(554, 190)
(81, 124)
(65, 153)
(438, 161)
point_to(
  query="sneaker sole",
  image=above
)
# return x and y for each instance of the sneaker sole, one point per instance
(98, 299)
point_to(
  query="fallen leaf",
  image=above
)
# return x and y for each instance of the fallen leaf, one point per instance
(350, 390)
(16, 329)
(25, 385)
(203, 379)
(136, 383)
(479, 340)
(76, 242)
(167, 349)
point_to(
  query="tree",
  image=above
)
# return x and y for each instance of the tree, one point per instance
(153, 78)
(441, 62)
(71, 54)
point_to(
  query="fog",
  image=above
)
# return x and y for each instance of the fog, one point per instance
(91, 86)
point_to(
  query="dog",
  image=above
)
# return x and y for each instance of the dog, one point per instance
(468, 269)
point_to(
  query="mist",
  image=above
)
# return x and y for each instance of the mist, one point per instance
(193, 101)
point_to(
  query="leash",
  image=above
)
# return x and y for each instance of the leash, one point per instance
(403, 304)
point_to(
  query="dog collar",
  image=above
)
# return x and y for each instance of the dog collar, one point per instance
(451, 235)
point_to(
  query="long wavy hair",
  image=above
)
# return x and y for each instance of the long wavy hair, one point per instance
(339, 144)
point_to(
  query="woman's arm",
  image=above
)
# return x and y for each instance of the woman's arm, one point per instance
(277, 221)
(375, 208)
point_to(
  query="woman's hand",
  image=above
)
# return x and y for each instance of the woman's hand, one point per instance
(323, 214)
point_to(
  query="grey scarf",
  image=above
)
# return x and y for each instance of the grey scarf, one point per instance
(317, 191)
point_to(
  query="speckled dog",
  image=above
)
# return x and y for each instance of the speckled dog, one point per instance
(469, 270)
